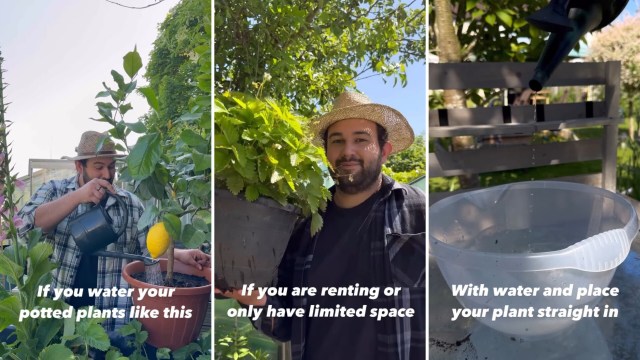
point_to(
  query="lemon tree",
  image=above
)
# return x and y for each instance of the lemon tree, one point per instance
(170, 163)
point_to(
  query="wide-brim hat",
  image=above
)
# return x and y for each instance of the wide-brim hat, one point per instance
(94, 144)
(353, 105)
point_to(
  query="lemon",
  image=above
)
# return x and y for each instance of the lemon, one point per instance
(157, 240)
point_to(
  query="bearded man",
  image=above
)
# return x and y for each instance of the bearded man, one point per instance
(373, 237)
(57, 202)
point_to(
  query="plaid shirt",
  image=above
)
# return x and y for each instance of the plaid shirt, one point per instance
(67, 255)
(398, 258)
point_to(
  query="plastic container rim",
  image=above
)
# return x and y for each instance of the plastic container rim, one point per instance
(517, 262)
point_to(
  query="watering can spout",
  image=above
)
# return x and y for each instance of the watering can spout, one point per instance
(145, 259)
(568, 21)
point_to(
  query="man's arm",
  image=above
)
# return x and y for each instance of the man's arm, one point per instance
(48, 215)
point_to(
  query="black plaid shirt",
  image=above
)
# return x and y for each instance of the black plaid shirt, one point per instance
(67, 255)
(398, 257)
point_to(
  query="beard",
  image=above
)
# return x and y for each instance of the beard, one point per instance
(358, 181)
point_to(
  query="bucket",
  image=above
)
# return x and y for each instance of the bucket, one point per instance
(250, 239)
(537, 234)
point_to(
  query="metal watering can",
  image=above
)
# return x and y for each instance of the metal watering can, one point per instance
(568, 21)
(93, 231)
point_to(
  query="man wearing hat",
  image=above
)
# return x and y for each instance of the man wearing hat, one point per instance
(57, 202)
(373, 237)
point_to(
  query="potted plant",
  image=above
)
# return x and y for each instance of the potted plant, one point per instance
(267, 175)
(170, 167)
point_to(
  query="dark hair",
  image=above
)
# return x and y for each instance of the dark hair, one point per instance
(83, 162)
(383, 136)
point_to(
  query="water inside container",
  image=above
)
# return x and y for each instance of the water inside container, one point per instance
(496, 239)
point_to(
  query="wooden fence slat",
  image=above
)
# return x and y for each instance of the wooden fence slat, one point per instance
(510, 75)
(494, 115)
(517, 129)
(500, 158)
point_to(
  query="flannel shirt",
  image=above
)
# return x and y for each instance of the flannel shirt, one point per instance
(67, 255)
(398, 257)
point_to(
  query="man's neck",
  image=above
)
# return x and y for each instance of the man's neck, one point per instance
(347, 201)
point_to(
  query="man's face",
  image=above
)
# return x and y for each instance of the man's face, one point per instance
(355, 154)
(100, 167)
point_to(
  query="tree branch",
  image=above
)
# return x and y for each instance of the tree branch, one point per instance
(136, 7)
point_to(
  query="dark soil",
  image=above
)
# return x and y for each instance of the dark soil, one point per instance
(179, 280)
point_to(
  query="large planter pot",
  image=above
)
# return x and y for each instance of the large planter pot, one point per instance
(176, 332)
(250, 238)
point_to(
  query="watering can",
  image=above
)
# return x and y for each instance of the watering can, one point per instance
(93, 231)
(568, 21)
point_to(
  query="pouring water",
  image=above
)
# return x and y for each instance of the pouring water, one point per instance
(153, 274)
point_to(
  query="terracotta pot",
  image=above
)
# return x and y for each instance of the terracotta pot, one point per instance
(172, 333)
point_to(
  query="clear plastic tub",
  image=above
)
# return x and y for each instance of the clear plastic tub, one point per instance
(537, 234)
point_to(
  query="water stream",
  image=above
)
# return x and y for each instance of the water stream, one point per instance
(153, 274)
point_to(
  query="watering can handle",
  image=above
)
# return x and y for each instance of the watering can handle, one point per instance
(125, 209)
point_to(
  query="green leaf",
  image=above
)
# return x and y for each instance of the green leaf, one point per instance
(93, 334)
(56, 352)
(133, 327)
(477, 13)
(47, 329)
(316, 223)
(200, 223)
(124, 108)
(201, 161)
(155, 184)
(505, 17)
(188, 117)
(132, 62)
(10, 268)
(40, 266)
(192, 238)
(103, 94)
(130, 87)
(193, 139)
(185, 351)
(118, 79)
(114, 354)
(150, 95)
(490, 19)
(173, 225)
(240, 155)
(235, 184)
(137, 127)
(163, 353)
(222, 159)
(144, 156)
(69, 327)
(251, 193)
(10, 309)
(218, 107)
(148, 217)
(33, 237)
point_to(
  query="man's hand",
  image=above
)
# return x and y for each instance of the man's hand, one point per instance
(94, 191)
(193, 257)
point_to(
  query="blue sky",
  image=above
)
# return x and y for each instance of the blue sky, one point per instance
(411, 100)
(57, 54)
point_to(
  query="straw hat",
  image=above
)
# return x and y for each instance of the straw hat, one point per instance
(352, 105)
(94, 144)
